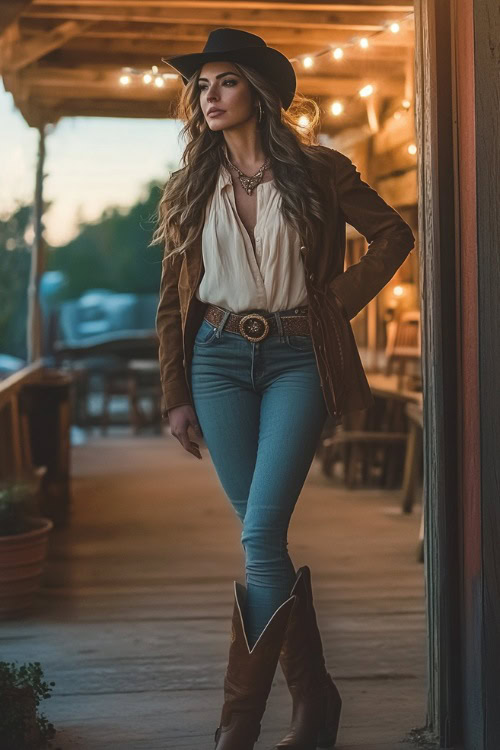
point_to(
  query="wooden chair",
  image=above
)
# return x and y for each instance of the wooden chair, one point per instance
(403, 348)
(115, 379)
(144, 382)
(368, 442)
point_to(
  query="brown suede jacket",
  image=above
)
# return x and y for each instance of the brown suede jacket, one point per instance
(335, 296)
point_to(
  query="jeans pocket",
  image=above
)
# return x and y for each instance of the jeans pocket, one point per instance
(205, 334)
(300, 343)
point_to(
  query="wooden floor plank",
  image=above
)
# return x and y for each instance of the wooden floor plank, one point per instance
(133, 619)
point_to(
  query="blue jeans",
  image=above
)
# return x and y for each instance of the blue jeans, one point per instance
(261, 409)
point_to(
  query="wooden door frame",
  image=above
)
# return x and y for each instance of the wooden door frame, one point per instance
(434, 124)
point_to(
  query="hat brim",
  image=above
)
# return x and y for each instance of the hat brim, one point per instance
(266, 60)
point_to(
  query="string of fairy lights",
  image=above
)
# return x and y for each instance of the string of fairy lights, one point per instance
(336, 52)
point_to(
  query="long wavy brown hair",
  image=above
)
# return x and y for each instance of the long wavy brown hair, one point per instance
(296, 162)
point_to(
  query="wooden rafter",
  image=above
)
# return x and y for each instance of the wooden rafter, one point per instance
(196, 34)
(233, 15)
(380, 5)
(94, 54)
(21, 53)
(102, 84)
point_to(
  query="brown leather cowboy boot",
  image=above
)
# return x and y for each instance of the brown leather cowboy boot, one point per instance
(316, 700)
(249, 675)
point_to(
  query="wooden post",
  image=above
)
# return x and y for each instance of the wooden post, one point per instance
(434, 86)
(34, 321)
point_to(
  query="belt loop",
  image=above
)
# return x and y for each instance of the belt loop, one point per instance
(221, 325)
(279, 325)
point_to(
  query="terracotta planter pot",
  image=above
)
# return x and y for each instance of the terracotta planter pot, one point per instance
(22, 558)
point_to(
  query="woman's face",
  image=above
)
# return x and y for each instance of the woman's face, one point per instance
(222, 87)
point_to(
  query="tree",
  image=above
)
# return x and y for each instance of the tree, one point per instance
(113, 252)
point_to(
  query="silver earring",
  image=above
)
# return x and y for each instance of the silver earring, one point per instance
(260, 112)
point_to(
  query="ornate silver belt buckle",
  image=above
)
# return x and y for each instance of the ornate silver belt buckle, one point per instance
(254, 327)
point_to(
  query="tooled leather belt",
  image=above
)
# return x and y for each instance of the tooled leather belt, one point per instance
(256, 327)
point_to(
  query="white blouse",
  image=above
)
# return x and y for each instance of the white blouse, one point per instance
(236, 277)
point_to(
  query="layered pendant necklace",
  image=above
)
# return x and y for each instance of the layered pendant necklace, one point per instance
(250, 183)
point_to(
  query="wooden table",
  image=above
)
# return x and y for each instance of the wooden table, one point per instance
(387, 386)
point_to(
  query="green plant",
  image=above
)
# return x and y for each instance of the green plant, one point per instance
(18, 503)
(21, 690)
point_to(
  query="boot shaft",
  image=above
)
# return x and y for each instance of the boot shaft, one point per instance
(249, 675)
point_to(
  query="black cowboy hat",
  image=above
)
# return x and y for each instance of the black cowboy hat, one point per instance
(240, 46)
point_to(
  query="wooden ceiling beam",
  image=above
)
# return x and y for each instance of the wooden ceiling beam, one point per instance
(37, 110)
(232, 15)
(306, 41)
(84, 92)
(151, 94)
(352, 7)
(100, 61)
(51, 109)
(353, 70)
(144, 53)
(18, 54)
(197, 34)
(101, 83)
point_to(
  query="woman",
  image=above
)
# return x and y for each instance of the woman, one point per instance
(256, 348)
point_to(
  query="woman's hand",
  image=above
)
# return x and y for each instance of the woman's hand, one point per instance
(180, 419)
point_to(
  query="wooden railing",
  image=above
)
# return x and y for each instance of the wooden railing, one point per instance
(15, 450)
(35, 421)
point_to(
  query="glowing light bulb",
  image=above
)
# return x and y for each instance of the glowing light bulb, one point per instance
(412, 149)
(125, 80)
(338, 53)
(394, 27)
(147, 77)
(398, 291)
(159, 82)
(304, 121)
(397, 115)
(406, 104)
(308, 62)
(155, 68)
(363, 42)
(337, 108)
(366, 90)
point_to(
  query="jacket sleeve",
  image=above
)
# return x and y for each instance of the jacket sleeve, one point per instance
(390, 238)
(169, 330)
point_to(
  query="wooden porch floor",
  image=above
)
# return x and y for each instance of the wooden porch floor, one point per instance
(133, 621)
